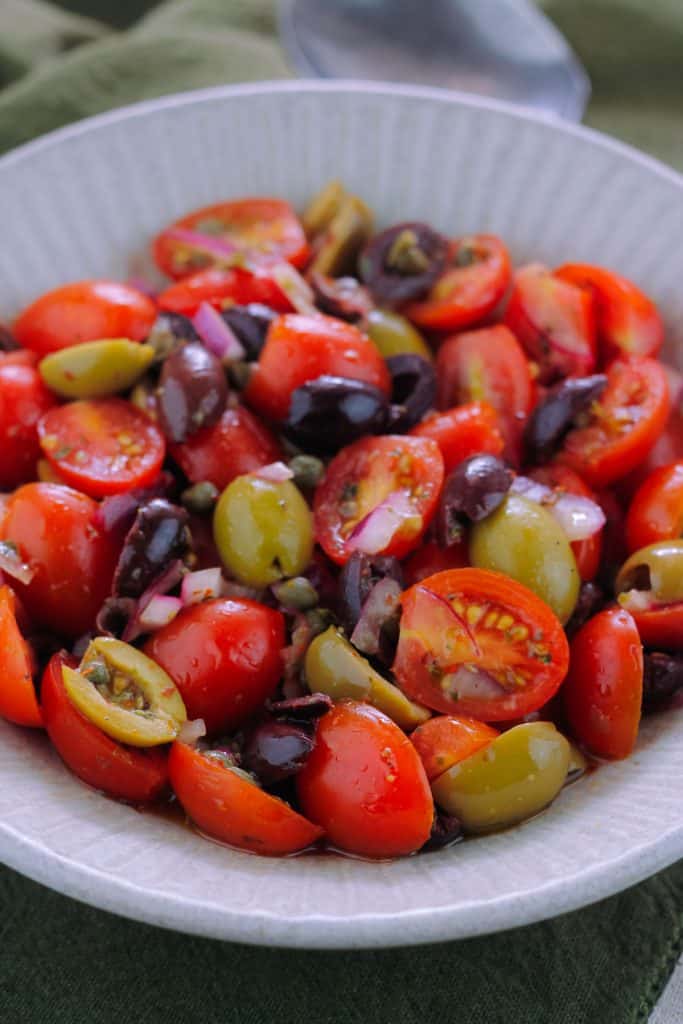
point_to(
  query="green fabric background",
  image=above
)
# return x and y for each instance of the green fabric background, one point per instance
(64, 963)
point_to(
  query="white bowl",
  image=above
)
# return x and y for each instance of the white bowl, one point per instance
(78, 203)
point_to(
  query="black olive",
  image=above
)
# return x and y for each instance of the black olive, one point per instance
(413, 391)
(7, 342)
(446, 830)
(276, 750)
(358, 577)
(192, 391)
(330, 412)
(169, 332)
(403, 262)
(302, 710)
(472, 490)
(591, 600)
(554, 416)
(250, 325)
(158, 536)
(343, 297)
(114, 616)
(662, 679)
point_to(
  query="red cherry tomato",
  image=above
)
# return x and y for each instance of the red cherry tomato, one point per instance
(365, 785)
(54, 529)
(661, 626)
(476, 643)
(224, 657)
(301, 348)
(656, 512)
(586, 552)
(430, 558)
(104, 446)
(463, 431)
(84, 311)
(667, 449)
(476, 280)
(554, 321)
(624, 424)
(125, 773)
(23, 400)
(444, 741)
(227, 807)
(18, 702)
(401, 474)
(604, 689)
(239, 443)
(258, 229)
(221, 288)
(628, 321)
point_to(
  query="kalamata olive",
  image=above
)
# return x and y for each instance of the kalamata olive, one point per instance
(357, 579)
(276, 750)
(250, 324)
(662, 679)
(472, 491)
(158, 536)
(192, 391)
(554, 415)
(302, 710)
(446, 830)
(169, 331)
(7, 342)
(413, 391)
(328, 413)
(591, 601)
(114, 616)
(343, 297)
(403, 262)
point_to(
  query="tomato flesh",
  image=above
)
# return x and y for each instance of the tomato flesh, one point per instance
(463, 431)
(656, 511)
(223, 288)
(444, 741)
(18, 702)
(239, 443)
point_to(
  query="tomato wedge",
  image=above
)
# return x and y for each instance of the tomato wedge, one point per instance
(586, 552)
(444, 741)
(102, 447)
(222, 288)
(476, 280)
(463, 431)
(378, 497)
(18, 702)
(476, 643)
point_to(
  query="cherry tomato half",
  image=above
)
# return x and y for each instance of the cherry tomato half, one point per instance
(604, 689)
(257, 229)
(379, 493)
(624, 423)
(224, 657)
(365, 785)
(444, 741)
(23, 400)
(586, 552)
(227, 807)
(476, 280)
(656, 511)
(463, 431)
(301, 348)
(84, 311)
(18, 702)
(125, 773)
(431, 558)
(554, 321)
(628, 321)
(221, 288)
(104, 446)
(476, 643)
(239, 443)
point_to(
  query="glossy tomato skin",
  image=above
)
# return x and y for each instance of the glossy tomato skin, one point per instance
(55, 531)
(225, 658)
(656, 511)
(366, 473)
(18, 702)
(222, 288)
(443, 741)
(488, 365)
(604, 688)
(661, 627)
(234, 811)
(125, 773)
(23, 400)
(485, 621)
(365, 785)
(102, 446)
(84, 311)
(628, 322)
(431, 558)
(587, 553)
(470, 288)
(299, 349)
(667, 449)
(465, 430)
(239, 443)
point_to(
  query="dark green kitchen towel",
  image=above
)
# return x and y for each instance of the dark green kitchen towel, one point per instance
(63, 963)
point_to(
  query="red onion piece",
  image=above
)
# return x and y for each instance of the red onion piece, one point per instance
(471, 682)
(159, 611)
(11, 562)
(226, 252)
(191, 732)
(275, 472)
(295, 287)
(215, 333)
(579, 517)
(374, 533)
(380, 606)
(170, 578)
(201, 585)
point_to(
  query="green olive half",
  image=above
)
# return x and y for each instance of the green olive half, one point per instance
(393, 335)
(657, 570)
(343, 238)
(96, 368)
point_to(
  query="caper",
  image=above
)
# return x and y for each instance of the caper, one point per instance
(308, 471)
(343, 238)
(656, 569)
(297, 593)
(201, 497)
(323, 207)
(95, 368)
(393, 335)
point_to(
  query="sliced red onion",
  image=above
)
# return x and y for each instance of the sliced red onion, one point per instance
(226, 252)
(470, 682)
(215, 333)
(579, 517)
(201, 585)
(169, 579)
(295, 287)
(191, 732)
(373, 533)
(12, 563)
(275, 472)
(380, 606)
(159, 611)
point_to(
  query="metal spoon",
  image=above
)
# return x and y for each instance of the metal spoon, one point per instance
(502, 48)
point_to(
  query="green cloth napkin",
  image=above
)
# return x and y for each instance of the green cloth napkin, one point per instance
(65, 963)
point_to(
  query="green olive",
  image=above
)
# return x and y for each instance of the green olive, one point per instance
(393, 335)
(332, 666)
(96, 368)
(323, 208)
(263, 530)
(125, 694)
(523, 540)
(511, 779)
(656, 569)
(343, 238)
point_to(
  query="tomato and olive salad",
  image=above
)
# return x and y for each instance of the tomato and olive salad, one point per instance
(354, 538)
